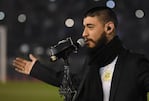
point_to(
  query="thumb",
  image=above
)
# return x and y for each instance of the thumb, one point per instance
(32, 57)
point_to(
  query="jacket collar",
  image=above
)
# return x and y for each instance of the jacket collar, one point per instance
(104, 55)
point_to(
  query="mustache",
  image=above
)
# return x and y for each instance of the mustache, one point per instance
(88, 39)
(101, 41)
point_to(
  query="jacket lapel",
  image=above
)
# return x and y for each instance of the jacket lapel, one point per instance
(115, 79)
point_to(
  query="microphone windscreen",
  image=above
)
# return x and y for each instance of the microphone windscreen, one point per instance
(81, 42)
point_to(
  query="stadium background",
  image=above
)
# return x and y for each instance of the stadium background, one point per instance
(32, 26)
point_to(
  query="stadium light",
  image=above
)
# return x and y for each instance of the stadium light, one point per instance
(2, 15)
(139, 13)
(110, 4)
(69, 22)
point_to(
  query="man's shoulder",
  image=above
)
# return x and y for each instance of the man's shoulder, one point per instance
(131, 55)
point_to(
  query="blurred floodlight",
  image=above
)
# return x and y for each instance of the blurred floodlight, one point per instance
(24, 48)
(48, 23)
(139, 13)
(110, 4)
(52, 0)
(69, 22)
(22, 18)
(2, 15)
(38, 50)
(52, 7)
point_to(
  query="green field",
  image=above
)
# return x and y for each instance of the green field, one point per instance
(28, 91)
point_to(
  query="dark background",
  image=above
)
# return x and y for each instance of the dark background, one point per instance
(45, 26)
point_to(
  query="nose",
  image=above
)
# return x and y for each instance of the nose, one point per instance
(84, 34)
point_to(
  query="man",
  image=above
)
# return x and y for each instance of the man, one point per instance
(112, 72)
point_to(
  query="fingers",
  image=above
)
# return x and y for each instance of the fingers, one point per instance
(20, 67)
(24, 66)
(19, 70)
(23, 61)
(19, 63)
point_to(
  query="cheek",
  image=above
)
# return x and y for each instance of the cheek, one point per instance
(97, 35)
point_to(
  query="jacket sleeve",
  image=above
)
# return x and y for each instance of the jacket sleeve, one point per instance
(54, 75)
(45, 74)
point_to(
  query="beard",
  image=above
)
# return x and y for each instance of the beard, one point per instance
(99, 44)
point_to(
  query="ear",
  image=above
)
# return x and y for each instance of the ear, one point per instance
(109, 28)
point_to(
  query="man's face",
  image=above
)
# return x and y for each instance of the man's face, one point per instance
(93, 31)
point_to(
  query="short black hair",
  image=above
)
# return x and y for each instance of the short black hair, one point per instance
(105, 13)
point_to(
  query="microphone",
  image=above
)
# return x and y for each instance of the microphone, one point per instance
(64, 47)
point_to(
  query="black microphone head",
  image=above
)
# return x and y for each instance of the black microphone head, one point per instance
(65, 47)
(81, 42)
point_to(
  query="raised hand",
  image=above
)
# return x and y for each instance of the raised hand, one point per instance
(24, 66)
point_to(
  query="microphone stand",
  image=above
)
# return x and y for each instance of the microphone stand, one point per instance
(66, 89)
